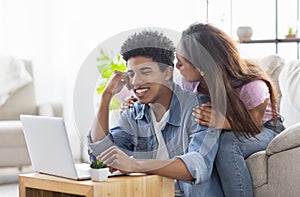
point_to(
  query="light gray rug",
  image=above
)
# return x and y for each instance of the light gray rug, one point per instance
(10, 175)
(8, 179)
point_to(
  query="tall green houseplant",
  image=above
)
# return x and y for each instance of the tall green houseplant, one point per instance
(106, 66)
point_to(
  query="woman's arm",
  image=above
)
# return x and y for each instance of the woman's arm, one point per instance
(205, 115)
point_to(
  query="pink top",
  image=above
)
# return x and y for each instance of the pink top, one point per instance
(251, 94)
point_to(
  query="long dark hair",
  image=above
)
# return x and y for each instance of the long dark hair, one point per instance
(216, 54)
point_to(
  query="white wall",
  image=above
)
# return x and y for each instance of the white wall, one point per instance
(57, 35)
(260, 15)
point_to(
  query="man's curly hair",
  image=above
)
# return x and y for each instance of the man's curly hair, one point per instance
(151, 44)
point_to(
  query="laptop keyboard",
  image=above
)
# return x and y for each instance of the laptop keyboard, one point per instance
(83, 173)
(83, 169)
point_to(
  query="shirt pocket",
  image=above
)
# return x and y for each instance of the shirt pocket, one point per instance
(142, 144)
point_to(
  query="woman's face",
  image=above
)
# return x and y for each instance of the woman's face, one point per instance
(187, 70)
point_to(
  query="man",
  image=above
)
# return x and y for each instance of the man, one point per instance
(159, 131)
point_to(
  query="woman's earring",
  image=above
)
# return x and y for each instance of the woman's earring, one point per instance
(202, 73)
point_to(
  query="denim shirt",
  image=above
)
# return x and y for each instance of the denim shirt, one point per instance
(194, 144)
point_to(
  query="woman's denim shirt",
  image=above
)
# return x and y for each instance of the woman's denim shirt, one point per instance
(194, 144)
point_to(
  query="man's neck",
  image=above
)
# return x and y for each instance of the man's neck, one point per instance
(161, 107)
(158, 110)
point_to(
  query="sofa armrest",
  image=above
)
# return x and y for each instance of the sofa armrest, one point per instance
(258, 168)
(50, 109)
(287, 139)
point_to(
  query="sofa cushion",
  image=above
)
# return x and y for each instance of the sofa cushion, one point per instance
(289, 82)
(257, 165)
(11, 134)
(14, 157)
(287, 139)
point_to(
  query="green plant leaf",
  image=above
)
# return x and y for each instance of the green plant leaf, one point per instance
(97, 164)
(107, 72)
(101, 87)
(106, 68)
(114, 104)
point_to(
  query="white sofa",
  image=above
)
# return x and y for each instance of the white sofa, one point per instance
(276, 171)
(13, 150)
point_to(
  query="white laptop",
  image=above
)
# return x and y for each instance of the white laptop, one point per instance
(49, 148)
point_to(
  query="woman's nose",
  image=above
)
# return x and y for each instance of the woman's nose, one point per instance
(178, 66)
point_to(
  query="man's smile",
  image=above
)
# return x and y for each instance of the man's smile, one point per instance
(140, 92)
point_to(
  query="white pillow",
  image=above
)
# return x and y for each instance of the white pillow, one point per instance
(13, 75)
(289, 81)
(273, 64)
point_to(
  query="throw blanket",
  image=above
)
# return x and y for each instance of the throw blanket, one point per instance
(13, 75)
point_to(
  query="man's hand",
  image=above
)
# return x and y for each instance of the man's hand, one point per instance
(117, 159)
(116, 82)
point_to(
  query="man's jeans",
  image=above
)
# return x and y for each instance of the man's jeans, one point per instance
(230, 161)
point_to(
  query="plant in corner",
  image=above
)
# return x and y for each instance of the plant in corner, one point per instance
(99, 171)
(107, 65)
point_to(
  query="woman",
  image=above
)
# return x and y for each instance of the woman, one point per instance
(243, 101)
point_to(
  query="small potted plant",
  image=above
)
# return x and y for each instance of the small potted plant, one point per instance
(99, 171)
(291, 34)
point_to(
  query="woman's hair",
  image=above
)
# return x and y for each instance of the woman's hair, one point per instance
(152, 44)
(215, 53)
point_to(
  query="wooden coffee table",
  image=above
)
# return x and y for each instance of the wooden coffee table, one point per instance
(41, 185)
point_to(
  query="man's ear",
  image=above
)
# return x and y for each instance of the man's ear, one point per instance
(169, 73)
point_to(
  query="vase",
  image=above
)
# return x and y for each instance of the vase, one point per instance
(100, 174)
(244, 33)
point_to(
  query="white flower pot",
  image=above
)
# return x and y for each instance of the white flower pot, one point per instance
(244, 33)
(100, 174)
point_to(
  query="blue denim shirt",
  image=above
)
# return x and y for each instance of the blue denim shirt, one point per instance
(194, 144)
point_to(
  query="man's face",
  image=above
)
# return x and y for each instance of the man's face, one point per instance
(147, 81)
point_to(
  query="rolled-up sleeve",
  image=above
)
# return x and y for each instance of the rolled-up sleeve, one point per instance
(96, 148)
(117, 136)
(201, 154)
